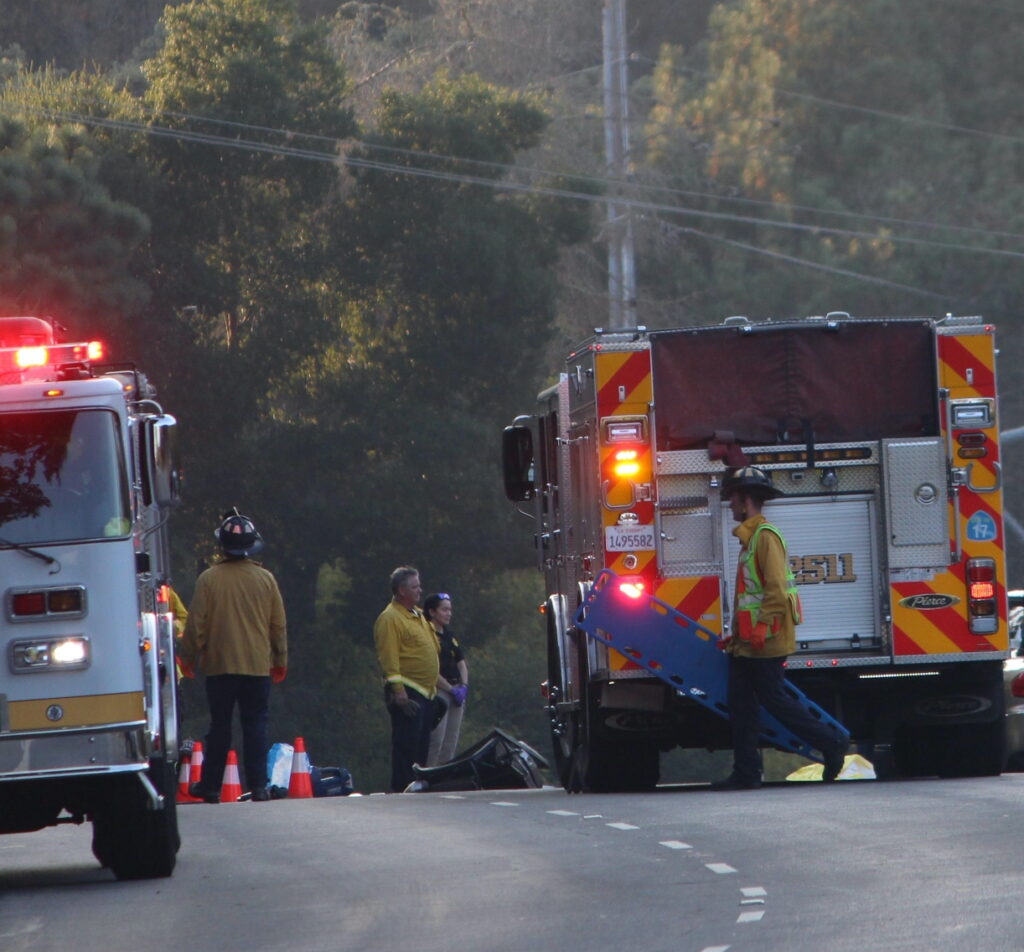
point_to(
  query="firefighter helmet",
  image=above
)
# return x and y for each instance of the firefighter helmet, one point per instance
(751, 480)
(238, 536)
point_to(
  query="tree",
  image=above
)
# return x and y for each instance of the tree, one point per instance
(65, 244)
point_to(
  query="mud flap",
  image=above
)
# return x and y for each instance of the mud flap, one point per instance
(681, 652)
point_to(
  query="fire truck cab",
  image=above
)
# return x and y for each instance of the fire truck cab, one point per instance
(88, 716)
(882, 434)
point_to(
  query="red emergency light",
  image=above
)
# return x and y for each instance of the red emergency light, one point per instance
(31, 357)
(631, 588)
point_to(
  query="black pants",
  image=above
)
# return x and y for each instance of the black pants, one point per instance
(410, 739)
(760, 682)
(252, 695)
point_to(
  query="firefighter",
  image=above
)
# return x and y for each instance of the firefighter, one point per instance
(766, 612)
(236, 630)
(408, 654)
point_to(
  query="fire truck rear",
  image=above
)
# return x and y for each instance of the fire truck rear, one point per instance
(88, 718)
(883, 436)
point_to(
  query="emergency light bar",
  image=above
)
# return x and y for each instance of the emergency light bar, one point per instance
(17, 359)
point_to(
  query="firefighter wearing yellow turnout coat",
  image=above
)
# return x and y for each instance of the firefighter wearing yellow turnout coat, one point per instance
(765, 615)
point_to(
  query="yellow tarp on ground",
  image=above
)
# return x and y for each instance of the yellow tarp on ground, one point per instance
(855, 767)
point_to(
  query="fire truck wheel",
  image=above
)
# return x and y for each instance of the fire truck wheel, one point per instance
(973, 750)
(134, 841)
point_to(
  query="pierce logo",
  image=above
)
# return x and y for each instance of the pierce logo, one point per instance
(929, 602)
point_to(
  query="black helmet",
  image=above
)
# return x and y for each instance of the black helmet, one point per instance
(238, 536)
(750, 480)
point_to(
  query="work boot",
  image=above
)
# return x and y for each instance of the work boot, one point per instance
(260, 794)
(735, 782)
(834, 760)
(197, 791)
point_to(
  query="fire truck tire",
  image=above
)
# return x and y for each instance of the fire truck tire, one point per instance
(134, 841)
(973, 750)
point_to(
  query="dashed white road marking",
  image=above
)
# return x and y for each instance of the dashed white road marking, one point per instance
(622, 826)
(503, 803)
(675, 845)
(716, 948)
(562, 813)
(592, 816)
(452, 796)
(720, 868)
(751, 915)
(752, 891)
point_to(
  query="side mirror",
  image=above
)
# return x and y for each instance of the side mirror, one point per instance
(162, 484)
(517, 463)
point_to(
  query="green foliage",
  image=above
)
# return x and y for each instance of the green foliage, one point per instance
(65, 244)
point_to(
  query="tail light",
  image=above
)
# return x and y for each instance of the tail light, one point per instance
(983, 616)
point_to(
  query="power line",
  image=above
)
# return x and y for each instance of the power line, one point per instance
(603, 181)
(467, 179)
(852, 107)
(807, 263)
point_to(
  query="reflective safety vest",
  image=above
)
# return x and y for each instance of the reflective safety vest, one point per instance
(750, 590)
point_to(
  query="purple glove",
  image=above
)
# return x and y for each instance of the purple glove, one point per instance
(459, 692)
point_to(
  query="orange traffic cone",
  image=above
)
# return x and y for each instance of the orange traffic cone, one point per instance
(184, 773)
(231, 789)
(299, 785)
(196, 771)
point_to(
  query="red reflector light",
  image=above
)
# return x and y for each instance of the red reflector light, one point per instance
(631, 589)
(982, 590)
(981, 570)
(31, 357)
(28, 603)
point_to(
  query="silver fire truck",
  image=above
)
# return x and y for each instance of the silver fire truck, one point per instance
(88, 717)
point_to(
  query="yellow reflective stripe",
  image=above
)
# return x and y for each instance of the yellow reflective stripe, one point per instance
(89, 711)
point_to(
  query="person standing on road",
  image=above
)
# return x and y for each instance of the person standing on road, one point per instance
(452, 684)
(765, 615)
(407, 651)
(236, 631)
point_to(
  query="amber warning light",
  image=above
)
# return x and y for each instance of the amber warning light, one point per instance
(627, 463)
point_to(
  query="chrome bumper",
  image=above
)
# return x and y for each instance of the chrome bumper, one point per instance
(114, 748)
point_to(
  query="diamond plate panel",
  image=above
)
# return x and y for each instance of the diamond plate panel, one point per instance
(917, 498)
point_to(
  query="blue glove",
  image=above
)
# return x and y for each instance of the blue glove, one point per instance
(459, 692)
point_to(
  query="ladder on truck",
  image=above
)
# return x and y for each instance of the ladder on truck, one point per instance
(679, 651)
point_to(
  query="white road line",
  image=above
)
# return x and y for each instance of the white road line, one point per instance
(592, 816)
(753, 915)
(716, 948)
(622, 826)
(503, 803)
(452, 796)
(675, 845)
(752, 891)
(562, 813)
(720, 868)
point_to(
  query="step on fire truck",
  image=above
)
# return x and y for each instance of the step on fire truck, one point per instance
(88, 718)
(882, 434)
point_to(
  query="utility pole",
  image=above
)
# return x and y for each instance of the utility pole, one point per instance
(619, 222)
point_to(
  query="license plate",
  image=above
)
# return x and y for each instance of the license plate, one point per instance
(629, 538)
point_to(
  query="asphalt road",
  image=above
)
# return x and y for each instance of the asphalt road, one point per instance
(922, 865)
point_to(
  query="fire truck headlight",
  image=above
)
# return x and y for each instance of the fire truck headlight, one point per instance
(49, 654)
